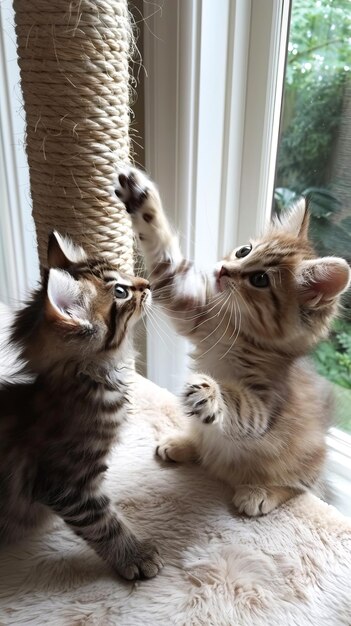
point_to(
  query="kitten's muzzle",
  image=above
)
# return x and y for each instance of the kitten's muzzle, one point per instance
(222, 272)
(142, 285)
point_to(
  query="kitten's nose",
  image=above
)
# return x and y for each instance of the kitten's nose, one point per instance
(142, 284)
(223, 272)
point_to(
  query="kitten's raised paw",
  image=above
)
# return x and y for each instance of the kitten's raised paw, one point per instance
(202, 399)
(132, 188)
(254, 500)
(142, 560)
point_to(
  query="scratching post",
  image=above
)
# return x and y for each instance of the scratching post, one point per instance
(73, 57)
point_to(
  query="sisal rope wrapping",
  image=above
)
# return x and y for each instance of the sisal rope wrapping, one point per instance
(74, 57)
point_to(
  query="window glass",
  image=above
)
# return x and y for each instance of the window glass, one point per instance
(314, 156)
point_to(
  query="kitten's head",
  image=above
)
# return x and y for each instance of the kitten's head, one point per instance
(280, 290)
(85, 306)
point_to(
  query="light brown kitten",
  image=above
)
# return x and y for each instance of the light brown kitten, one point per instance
(57, 426)
(258, 412)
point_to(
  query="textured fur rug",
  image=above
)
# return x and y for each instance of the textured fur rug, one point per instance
(292, 567)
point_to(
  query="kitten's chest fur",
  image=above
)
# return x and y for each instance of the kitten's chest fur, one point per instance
(72, 421)
(242, 362)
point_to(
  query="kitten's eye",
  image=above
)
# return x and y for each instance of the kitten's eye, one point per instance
(259, 279)
(244, 251)
(121, 292)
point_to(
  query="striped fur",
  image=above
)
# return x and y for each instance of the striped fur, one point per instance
(57, 429)
(258, 413)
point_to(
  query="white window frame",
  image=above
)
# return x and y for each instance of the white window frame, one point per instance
(20, 272)
(339, 467)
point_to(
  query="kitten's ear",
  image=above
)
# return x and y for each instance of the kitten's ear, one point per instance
(295, 221)
(321, 281)
(64, 301)
(62, 252)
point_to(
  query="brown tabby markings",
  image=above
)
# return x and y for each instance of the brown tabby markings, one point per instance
(57, 429)
(258, 411)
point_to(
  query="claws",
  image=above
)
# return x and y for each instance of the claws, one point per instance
(201, 400)
(209, 419)
(131, 190)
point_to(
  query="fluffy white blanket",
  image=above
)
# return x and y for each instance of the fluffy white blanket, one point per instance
(292, 567)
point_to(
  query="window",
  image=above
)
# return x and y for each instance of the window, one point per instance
(314, 157)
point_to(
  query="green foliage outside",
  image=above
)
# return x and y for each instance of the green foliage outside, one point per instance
(318, 66)
(333, 360)
(317, 74)
(329, 236)
(333, 357)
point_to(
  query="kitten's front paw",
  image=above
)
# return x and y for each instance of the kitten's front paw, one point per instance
(141, 560)
(132, 188)
(202, 398)
(254, 500)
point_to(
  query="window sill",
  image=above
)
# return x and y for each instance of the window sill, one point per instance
(339, 468)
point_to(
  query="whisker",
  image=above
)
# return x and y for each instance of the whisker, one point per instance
(238, 294)
(211, 317)
(220, 321)
(220, 339)
(236, 335)
(165, 295)
(153, 323)
(205, 311)
(168, 289)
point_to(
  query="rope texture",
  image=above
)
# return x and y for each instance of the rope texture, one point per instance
(73, 57)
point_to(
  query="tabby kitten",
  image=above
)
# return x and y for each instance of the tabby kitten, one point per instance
(58, 426)
(258, 412)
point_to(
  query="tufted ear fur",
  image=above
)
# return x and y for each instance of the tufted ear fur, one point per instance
(62, 252)
(295, 221)
(65, 303)
(322, 280)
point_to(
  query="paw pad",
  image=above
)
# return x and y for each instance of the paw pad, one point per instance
(132, 191)
(202, 400)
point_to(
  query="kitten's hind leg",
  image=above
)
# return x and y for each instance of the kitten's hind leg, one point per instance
(178, 449)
